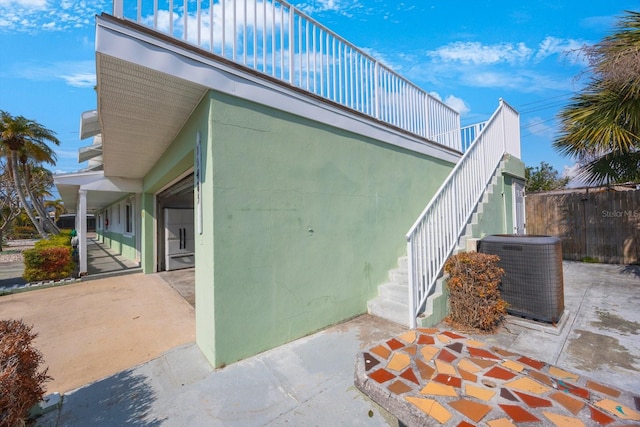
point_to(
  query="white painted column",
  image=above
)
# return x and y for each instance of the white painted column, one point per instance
(81, 214)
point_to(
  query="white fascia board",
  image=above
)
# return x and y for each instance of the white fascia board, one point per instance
(96, 181)
(120, 185)
(127, 44)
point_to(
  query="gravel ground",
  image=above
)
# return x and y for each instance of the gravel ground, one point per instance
(15, 245)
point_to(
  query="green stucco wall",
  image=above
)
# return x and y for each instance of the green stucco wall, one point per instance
(497, 213)
(302, 221)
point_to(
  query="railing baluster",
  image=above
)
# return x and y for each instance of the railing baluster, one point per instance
(327, 64)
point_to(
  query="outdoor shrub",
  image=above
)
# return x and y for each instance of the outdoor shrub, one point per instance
(22, 232)
(21, 385)
(474, 297)
(49, 263)
(50, 259)
(62, 239)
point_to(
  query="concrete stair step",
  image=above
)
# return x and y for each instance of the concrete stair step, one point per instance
(399, 276)
(395, 292)
(390, 310)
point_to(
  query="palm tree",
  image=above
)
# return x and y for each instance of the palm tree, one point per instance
(57, 206)
(21, 137)
(601, 125)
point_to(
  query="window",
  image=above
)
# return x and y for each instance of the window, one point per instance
(128, 217)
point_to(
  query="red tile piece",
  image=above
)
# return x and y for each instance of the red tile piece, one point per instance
(429, 331)
(426, 371)
(426, 339)
(518, 414)
(478, 352)
(594, 386)
(456, 346)
(500, 373)
(381, 376)
(410, 376)
(473, 410)
(541, 377)
(398, 387)
(508, 395)
(394, 344)
(370, 361)
(502, 352)
(533, 401)
(381, 350)
(535, 364)
(572, 404)
(483, 363)
(465, 424)
(445, 356)
(412, 349)
(448, 380)
(600, 417)
(467, 376)
(580, 392)
(452, 335)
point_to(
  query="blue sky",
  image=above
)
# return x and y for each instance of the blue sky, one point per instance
(470, 54)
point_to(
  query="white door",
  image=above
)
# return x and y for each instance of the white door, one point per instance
(519, 216)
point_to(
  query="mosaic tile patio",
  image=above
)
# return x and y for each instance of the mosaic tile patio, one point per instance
(436, 377)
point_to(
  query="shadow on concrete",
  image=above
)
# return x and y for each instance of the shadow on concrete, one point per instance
(631, 270)
(124, 399)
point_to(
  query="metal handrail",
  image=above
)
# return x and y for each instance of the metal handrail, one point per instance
(274, 38)
(434, 235)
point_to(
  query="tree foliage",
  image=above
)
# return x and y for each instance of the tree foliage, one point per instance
(544, 178)
(600, 127)
(24, 143)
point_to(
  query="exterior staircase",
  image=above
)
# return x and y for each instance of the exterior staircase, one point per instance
(392, 302)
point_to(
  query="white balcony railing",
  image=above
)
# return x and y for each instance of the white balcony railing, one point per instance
(435, 234)
(274, 38)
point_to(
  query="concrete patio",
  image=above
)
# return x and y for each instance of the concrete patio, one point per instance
(310, 381)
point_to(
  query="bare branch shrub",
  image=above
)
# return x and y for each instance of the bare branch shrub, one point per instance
(474, 297)
(21, 385)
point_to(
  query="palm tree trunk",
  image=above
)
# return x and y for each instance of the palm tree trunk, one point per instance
(46, 222)
(17, 181)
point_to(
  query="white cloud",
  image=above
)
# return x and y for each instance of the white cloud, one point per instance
(573, 172)
(80, 79)
(539, 127)
(567, 48)
(32, 16)
(317, 6)
(457, 104)
(477, 53)
(73, 73)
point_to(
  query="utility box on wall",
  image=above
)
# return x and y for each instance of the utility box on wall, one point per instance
(533, 283)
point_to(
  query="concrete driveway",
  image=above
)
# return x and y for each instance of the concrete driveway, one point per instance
(91, 330)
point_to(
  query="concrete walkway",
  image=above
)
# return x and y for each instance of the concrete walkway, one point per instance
(91, 330)
(310, 381)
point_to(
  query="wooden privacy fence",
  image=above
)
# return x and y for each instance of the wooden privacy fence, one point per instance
(602, 224)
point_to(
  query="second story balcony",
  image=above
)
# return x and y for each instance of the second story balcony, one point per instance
(273, 38)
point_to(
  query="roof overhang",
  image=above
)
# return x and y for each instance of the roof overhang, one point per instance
(100, 190)
(89, 124)
(149, 84)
